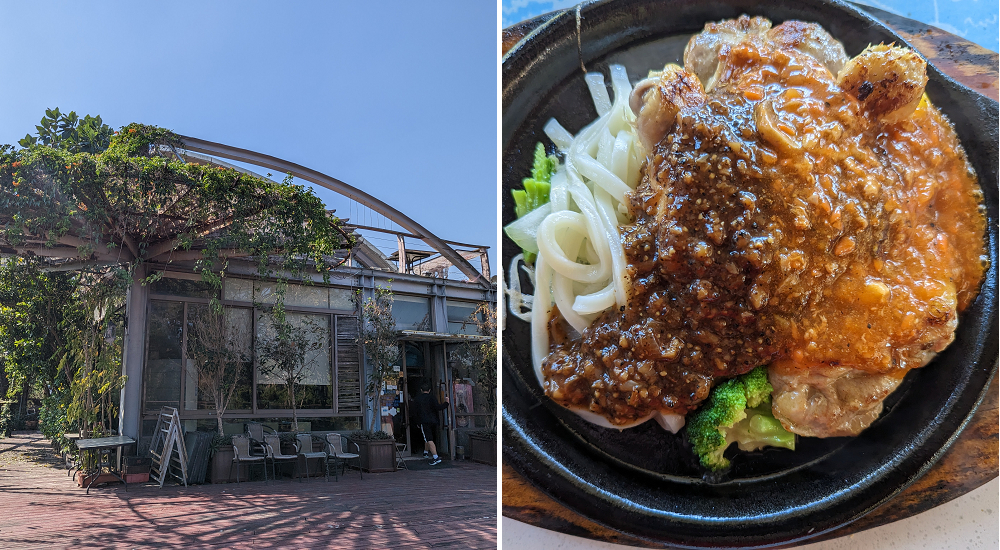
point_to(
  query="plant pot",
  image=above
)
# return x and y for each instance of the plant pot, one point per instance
(137, 478)
(483, 449)
(377, 455)
(222, 464)
(83, 480)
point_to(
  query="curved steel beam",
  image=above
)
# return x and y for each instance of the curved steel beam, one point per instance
(333, 184)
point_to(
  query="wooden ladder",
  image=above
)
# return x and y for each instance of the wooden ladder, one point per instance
(167, 449)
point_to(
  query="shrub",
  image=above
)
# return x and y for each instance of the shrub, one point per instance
(368, 435)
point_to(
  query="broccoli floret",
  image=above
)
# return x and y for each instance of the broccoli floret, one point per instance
(536, 188)
(758, 389)
(738, 410)
(761, 429)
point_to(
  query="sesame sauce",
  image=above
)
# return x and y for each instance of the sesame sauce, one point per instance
(777, 224)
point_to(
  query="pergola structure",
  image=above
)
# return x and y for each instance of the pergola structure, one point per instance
(286, 167)
(417, 281)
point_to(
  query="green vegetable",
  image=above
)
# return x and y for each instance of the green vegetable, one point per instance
(738, 410)
(536, 189)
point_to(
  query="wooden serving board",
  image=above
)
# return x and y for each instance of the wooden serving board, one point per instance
(972, 459)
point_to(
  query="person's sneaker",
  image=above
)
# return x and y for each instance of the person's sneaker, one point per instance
(426, 454)
(435, 462)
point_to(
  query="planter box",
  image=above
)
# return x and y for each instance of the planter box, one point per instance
(137, 465)
(136, 478)
(82, 480)
(377, 456)
(483, 449)
(222, 463)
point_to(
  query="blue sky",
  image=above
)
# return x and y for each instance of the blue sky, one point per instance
(397, 99)
(974, 20)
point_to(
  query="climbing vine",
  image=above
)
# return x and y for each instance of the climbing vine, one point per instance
(85, 206)
(137, 201)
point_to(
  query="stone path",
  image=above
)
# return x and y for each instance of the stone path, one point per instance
(42, 508)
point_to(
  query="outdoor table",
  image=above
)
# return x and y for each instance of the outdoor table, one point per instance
(103, 446)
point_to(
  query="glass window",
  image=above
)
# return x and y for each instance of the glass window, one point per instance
(307, 296)
(265, 293)
(342, 298)
(462, 317)
(182, 287)
(411, 312)
(218, 351)
(309, 370)
(239, 290)
(163, 355)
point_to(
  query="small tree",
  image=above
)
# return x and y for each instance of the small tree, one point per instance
(219, 350)
(481, 359)
(378, 336)
(286, 355)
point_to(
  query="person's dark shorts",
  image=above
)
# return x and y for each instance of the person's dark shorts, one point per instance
(427, 430)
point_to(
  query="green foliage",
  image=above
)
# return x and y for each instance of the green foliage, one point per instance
(69, 132)
(378, 336)
(219, 350)
(31, 312)
(104, 202)
(369, 435)
(480, 358)
(52, 421)
(7, 420)
(287, 353)
(135, 201)
(737, 410)
(218, 442)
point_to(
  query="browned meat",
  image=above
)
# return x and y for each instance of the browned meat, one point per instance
(781, 220)
(657, 100)
(703, 51)
(827, 401)
(811, 39)
(887, 80)
(701, 55)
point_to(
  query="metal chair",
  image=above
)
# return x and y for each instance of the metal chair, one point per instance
(304, 448)
(272, 444)
(256, 431)
(241, 454)
(400, 461)
(72, 456)
(335, 448)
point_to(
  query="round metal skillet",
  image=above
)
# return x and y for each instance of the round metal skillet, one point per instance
(642, 481)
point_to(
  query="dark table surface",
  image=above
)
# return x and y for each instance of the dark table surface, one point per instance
(104, 442)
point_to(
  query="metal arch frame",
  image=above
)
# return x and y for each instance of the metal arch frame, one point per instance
(337, 186)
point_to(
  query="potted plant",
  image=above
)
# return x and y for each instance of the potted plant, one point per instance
(377, 450)
(222, 454)
(287, 355)
(483, 446)
(220, 351)
(481, 359)
(378, 336)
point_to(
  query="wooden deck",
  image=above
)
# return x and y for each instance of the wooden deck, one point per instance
(40, 507)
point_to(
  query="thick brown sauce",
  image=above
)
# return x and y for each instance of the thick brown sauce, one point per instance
(778, 224)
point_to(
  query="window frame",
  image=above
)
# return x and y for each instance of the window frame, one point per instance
(254, 412)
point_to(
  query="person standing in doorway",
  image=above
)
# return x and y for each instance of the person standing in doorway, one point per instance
(427, 407)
